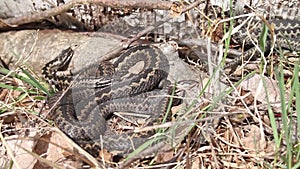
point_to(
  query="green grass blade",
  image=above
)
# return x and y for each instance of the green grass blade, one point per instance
(296, 88)
(35, 83)
(32, 81)
(147, 144)
(21, 89)
(263, 38)
(284, 112)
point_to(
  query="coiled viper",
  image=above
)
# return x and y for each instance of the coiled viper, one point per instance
(136, 83)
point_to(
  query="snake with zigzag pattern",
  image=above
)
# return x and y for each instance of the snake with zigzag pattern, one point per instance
(136, 82)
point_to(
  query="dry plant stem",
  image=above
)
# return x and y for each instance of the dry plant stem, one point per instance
(157, 147)
(114, 53)
(149, 4)
(39, 158)
(214, 47)
(91, 163)
(236, 139)
(153, 27)
(8, 149)
(181, 123)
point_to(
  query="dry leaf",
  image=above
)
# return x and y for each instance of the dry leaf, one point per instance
(164, 156)
(254, 140)
(196, 164)
(22, 157)
(57, 154)
(255, 86)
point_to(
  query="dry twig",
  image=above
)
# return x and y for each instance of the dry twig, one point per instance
(148, 4)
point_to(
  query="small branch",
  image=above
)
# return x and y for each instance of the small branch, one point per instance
(175, 8)
(149, 4)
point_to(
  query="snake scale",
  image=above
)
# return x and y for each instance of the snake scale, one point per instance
(136, 82)
(286, 31)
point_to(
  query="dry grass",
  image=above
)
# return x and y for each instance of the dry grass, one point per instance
(231, 128)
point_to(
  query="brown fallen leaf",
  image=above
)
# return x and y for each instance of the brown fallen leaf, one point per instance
(163, 157)
(254, 140)
(254, 85)
(59, 155)
(17, 145)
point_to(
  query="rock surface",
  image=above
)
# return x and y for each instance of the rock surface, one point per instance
(36, 48)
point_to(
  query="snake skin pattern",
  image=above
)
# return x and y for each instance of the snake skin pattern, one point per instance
(135, 83)
(287, 34)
